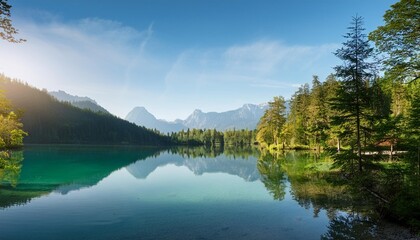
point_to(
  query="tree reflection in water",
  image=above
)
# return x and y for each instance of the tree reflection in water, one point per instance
(350, 226)
(212, 152)
(314, 185)
(272, 175)
(10, 167)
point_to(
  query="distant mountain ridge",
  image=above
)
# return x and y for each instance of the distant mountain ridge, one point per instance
(80, 102)
(141, 117)
(245, 117)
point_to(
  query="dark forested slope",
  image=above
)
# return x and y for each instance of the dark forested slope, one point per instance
(50, 121)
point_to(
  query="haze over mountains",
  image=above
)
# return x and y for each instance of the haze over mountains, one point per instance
(245, 117)
(49, 121)
(141, 117)
(80, 102)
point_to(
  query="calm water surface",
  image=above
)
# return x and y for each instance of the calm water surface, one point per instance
(144, 193)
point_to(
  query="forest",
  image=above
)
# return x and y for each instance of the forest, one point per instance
(48, 121)
(366, 114)
(211, 138)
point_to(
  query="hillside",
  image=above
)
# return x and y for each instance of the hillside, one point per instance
(49, 121)
(80, 102)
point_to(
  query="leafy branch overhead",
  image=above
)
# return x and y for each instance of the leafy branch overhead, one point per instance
(7, 31)
(399, 38)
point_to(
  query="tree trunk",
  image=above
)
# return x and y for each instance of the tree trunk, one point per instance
(338, 144)
(358, 141)
(391, 154)
(418, 158)
(359, 145)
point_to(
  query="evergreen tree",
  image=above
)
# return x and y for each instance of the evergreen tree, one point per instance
(355, 74)
(414, 129)
(298, 119)
(331, 86)
(269, 129)
(318, 122)
(7, 31)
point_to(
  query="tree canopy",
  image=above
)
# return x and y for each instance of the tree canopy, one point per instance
(7, 30)
(11, 133)
(269, 129)
(399, 38)
(353, 100)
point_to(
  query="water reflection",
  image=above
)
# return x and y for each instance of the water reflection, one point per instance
(10, 167)
(351, 226)
(184, 190)
(61, 169)
(210, 152)
(272, 175)
(314, 185)
(200, 161)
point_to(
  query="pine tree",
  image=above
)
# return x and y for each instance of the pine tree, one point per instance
(353, 96)
(269, 129)
(317, 110)
(7, 31)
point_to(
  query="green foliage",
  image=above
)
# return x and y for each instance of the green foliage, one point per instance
(412, 136)
(353, 101)
(211, 138)
(364, 116)
(10, 167)
(11, 133)
(203, 151)
(297, 126)
(269, 129)
(352, 226)
(7, 31)
(16, 137)
(308, 122)
(399, 39)
(272, 175)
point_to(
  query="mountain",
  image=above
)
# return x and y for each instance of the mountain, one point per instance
(65, 97)
(141, 117)
(80, 102)
(50, 121)
(199, 165)
(246, 117)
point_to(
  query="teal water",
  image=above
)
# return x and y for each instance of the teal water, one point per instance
(146, 193)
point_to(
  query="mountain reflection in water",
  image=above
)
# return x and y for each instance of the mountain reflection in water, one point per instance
(181, 193)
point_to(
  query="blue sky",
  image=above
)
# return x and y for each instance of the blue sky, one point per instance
(175, 56)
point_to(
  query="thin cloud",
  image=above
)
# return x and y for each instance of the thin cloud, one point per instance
(250, 64)
(86, 57)
(118, 66)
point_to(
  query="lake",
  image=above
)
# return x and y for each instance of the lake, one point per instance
(79, 192)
